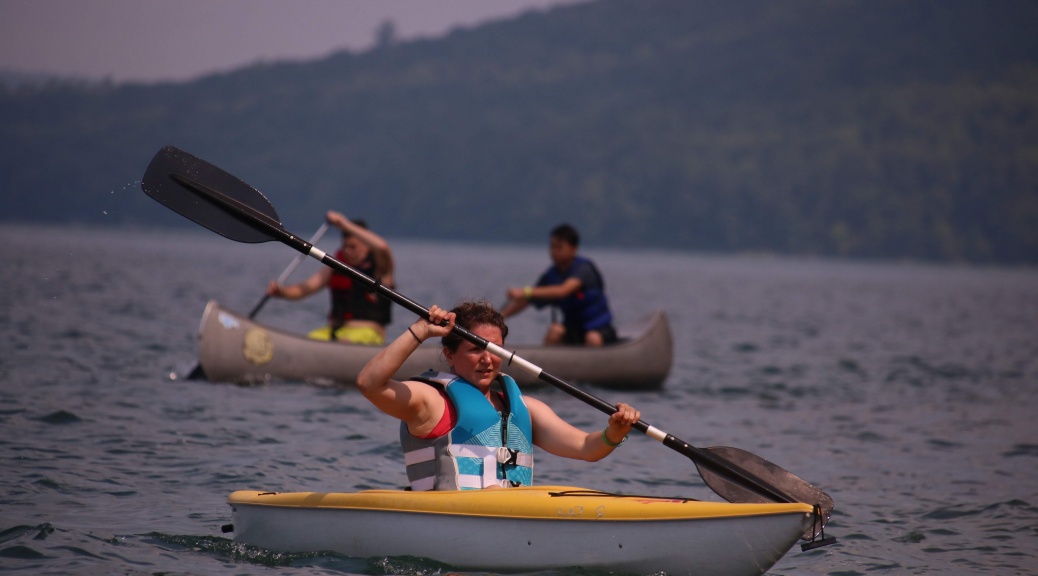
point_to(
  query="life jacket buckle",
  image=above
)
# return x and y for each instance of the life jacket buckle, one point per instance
(506, 455)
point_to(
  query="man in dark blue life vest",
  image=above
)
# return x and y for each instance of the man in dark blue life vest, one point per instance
(574, 285)
(357, 315)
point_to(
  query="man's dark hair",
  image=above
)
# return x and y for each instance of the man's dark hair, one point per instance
(566, 233)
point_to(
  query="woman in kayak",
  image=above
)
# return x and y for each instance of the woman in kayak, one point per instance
(473, 428)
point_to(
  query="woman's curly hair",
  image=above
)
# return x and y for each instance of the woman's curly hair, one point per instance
(472, 314)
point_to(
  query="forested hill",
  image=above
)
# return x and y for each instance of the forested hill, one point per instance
(864, 128)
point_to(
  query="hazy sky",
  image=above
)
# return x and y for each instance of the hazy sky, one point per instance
(181, 39)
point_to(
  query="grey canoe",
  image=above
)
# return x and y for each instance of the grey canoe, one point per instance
(233, 348)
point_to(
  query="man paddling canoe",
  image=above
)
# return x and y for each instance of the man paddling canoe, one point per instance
(473, 428)
(573, 285)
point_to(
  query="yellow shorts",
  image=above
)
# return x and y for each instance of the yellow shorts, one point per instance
(351, 334)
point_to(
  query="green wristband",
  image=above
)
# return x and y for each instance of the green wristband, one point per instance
(610, 443)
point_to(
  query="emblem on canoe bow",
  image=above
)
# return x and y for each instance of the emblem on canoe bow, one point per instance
(257, 346)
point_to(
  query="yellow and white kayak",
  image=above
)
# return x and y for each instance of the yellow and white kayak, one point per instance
(526, 529)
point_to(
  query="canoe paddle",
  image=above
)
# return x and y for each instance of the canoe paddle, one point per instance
(197, 373)
(291, 268)
(224, 204)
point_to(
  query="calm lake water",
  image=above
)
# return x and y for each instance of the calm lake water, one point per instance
(905, 391)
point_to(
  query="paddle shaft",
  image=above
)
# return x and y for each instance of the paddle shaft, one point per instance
(291, 268)
(273, 228)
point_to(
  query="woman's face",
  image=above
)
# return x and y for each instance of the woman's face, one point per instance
(477, 366)
(355, 250)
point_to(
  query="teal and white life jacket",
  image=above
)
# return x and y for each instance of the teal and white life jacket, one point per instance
(485, 448)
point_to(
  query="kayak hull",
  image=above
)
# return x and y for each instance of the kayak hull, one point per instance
(526, 529)
(234, 348)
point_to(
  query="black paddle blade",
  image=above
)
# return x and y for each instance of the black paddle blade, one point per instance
(783, 480)
(185, 184)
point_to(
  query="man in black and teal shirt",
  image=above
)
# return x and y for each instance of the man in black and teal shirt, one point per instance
(574, 285)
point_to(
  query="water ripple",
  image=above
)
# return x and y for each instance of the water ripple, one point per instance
(904, 391)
